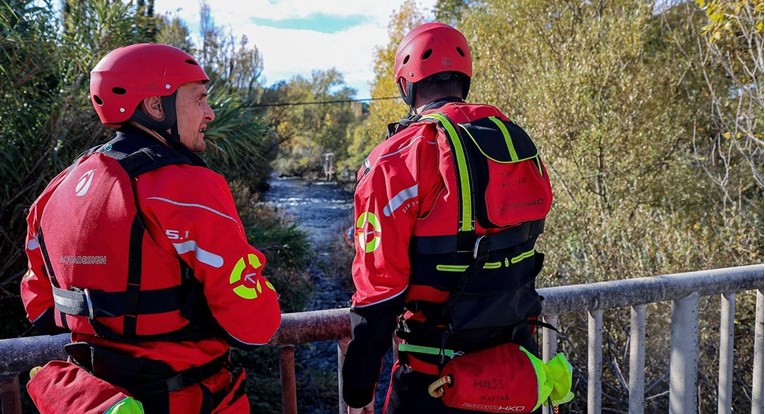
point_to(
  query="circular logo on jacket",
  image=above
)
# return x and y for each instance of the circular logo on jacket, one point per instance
(244, 278)
(84, 183)
(368, 231)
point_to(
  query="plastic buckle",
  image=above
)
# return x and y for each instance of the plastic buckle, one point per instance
(175, 383)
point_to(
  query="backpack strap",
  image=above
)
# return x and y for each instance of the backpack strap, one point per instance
(48, 269)
(149, 158)
(466, 236)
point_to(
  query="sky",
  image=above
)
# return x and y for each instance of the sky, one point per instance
(298, 36)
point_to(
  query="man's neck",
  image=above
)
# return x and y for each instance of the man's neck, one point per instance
(435, 103)
(151, 132)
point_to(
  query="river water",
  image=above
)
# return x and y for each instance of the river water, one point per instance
(323, 210)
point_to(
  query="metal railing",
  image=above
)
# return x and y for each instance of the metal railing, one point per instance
(683, 290)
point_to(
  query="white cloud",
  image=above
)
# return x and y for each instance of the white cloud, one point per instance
(290, 52)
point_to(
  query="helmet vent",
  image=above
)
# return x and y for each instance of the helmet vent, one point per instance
(406, 59)
(119, 91)
(192, 62)
(427, 54)
(97, 100)
(460, 52)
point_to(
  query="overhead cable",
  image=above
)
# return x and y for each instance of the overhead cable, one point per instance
(336, 101)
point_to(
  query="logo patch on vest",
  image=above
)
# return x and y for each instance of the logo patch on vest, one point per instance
(83, 185)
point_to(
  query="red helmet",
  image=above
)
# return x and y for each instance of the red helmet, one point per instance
(429, 49)
(129, 74)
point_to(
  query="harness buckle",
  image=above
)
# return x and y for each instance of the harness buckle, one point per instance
(89, 302)
(481, 250)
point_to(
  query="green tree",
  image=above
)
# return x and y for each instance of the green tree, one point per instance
(383, 110)
(617, 107)
(48, 119)
(450, 11)
(28, 78)
(45, 70)
(236, 61)
(174, 31)
(730, 149)
(311, 117)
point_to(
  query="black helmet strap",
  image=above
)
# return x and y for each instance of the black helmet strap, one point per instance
(169, 122)
(408, 95)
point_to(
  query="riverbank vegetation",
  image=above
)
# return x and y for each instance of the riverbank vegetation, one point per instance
(649, 116)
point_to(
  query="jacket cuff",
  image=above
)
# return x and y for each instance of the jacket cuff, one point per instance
(357, 397)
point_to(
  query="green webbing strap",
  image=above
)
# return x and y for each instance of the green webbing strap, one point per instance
(404, 347)
(463, 174)
(508, 138)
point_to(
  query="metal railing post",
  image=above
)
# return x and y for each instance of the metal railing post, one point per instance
(637, 359)
(549, 338)
(725, 378)
(595, 361)
(10, 396)
(287, 373)
(342, 349)
(549, 346)
(757, 391)
(684, 357)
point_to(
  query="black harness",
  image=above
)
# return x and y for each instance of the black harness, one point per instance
(138, 154)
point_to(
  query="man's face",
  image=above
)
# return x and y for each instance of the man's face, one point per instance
(194, 113)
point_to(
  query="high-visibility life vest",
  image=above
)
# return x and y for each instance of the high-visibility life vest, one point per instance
(109, 276)
(473, 262)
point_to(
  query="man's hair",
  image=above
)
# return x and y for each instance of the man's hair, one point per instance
(441, 85)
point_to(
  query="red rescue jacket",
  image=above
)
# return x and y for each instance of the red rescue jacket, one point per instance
(420, 207)
(156, 265)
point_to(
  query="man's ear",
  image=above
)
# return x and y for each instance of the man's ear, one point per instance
(152, 106)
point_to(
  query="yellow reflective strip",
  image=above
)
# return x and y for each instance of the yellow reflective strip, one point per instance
(466, 221)
(451, 268)
(492, 265)
(524, 255)
(462, 268)
(508, 138)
